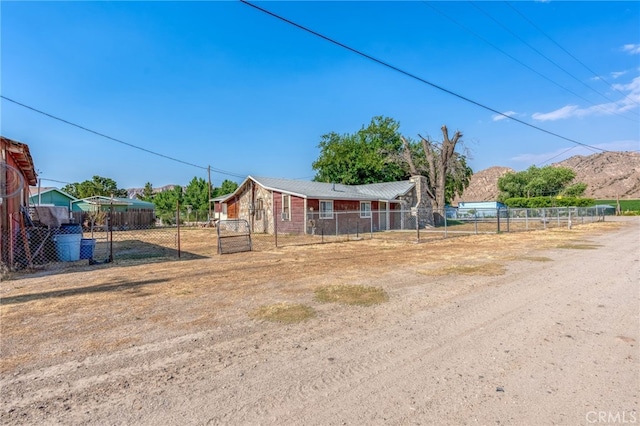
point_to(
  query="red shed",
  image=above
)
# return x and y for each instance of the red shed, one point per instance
(17, 172)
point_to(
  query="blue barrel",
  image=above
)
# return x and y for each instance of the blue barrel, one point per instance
(86, 248)
(68, 247)
(70, 228)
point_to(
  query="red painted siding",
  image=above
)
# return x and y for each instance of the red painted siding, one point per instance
(297, 217)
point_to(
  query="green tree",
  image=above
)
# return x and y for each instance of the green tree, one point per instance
(227, 187)
(166, 201)
(362, 157)
(97, 186)
(536, 182)
(196, 194)
(147, 193)
(576, 190)
(458, 179)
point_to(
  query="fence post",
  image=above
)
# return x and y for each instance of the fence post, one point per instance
(275, 225)
(110, 230)
(475, 221)
(526, 219)
(11, 250)
(371, 224)
(445, 222)
(498, 218)
(348, 227)
(508, 219)
(178, 224)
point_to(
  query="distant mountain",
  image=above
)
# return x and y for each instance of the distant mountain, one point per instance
(483, 185)
(134, 192)
(608, 175)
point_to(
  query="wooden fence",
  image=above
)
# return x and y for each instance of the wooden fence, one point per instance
(119, 220)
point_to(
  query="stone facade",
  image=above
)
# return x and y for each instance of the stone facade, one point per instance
(421, 202)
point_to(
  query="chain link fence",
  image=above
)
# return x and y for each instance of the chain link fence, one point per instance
(34, 240)
(114, 237)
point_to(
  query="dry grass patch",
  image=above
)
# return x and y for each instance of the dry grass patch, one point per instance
(535, 258)
(578, 246)
(487, 269)
(284, 312)
(351, 294)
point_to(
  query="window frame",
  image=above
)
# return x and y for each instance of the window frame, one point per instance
(286, 207)
(325, 214)
(366, 213)
(258, 209)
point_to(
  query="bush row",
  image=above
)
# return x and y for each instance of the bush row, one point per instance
(541, 202)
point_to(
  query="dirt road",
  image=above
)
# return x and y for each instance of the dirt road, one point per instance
(553, 339)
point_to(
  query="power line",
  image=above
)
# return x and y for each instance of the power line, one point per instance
(520, 62)
(474, 4)
(118, 140)
(556, 156)
(569, 53)
(53, 180)
(415, 77)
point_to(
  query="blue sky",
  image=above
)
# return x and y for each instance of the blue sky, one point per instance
(222, 84)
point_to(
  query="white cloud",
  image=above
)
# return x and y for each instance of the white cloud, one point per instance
(634, 49)
(499, 117)
(559, 114)
(633, 88)
(629, 102)
(618, 74)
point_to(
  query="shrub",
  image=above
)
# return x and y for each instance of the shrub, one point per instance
(546, 202)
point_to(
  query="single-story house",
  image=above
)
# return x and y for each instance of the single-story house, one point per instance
(219, 207)
(17, 172)
(479, 208)
(50, 206)
(49, 196)
(296, 206)
(102, 203)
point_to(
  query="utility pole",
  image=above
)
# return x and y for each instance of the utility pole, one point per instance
(209, 199)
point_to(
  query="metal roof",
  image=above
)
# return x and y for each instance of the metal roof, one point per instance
(102, 200)
(21, 155)
(34, 191)
(332, 191)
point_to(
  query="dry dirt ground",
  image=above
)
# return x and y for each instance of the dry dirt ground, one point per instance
(531, 328)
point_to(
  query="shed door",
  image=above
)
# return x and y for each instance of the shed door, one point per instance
(232, 210)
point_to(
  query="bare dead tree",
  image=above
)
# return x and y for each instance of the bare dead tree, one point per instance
(440, 160)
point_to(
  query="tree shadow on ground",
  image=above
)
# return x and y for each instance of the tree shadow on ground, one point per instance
(122, 254)
(117, 286)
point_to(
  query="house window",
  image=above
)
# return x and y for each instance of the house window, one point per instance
(326, 209)
(259, 208)
(365, 208)
(286, 207)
